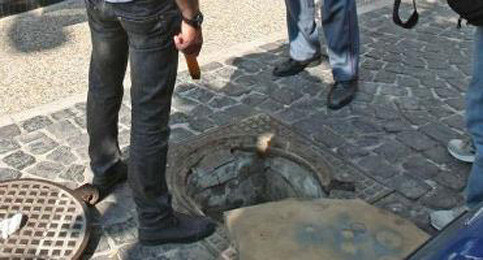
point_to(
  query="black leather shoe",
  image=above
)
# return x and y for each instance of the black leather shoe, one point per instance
(342, 94)
(180, 228)
(291, 67)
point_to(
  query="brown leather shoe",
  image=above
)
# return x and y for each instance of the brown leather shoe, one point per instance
(341, 94)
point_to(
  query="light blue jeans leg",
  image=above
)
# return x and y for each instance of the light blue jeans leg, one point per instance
(474, 113)
(302, 29)
(341, 29)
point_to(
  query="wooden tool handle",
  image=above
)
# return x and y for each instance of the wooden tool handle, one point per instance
(193, 66)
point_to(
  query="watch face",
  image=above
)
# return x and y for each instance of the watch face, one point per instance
(199, 18)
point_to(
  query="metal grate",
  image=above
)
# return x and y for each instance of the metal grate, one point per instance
(56, 226)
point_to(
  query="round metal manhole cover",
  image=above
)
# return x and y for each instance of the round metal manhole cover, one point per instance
(56, 221)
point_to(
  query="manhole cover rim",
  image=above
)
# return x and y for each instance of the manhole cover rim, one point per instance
(177, 171)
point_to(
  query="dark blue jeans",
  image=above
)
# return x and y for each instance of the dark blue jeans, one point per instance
(474, 114)
(141, 31)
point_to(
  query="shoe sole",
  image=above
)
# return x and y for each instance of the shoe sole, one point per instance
(158, 242)
(463, 158)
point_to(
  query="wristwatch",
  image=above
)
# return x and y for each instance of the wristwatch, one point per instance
(196, 21)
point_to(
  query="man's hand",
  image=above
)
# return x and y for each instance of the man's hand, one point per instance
(190, 40)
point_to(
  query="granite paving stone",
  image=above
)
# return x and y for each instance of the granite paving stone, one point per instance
(183, 104)
(410, 187)
(254, 99)
(418, 118)
(75, 172)
(81, 140)
(63, 114)
(62, 155)
(328, 138)
(8, 145)
(211, 66)
(452, 180)
(397, 125)
(439, 132)
(81, 106)
(30, 137)
(63, 129)
(19, 160)
(41, 145)
(82, 153)
(393, 151)
(290, 115)
(201, 124)
(235, 90)
(456, 121)
(386, 112)
(9, 174)
(440, 111)
(179, 134)
(46, 169)
(36, 123)
(245, 81)
(420, 167)
(416, 140)
(222, 102)
(270, 106)
(441, 198)
(377, 167)
(81, 121)
(439, 155)
(9, 131)
(406, 208)
(183, 87)
(178, 118)
(200, 111)
(286, 96)
(352, 151)
(122, 233)
(200, 94)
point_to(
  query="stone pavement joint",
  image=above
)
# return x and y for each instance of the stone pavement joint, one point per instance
(393, 134)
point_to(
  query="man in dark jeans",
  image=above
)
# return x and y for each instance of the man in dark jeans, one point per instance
(150, 33)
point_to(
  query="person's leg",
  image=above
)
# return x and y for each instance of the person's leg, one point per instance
(302, 29)
(151, 26)
(339, 21)
(474, 113)
(341, 29)
(106, 74)
(474, 120)
(303, 37)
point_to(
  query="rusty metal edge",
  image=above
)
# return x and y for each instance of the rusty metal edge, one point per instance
(191, 206)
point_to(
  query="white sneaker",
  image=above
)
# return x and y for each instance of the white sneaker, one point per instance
(463, 150)
(441, 218)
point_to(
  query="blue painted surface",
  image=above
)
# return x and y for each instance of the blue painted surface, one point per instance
(350, 239)
(467, 244)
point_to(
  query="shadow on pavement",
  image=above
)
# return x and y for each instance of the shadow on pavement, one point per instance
(45, 29)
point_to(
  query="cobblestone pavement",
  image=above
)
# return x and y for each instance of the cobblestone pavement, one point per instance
(392, 136)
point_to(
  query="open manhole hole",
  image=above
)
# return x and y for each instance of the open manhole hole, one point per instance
(251, 162)
(56, 221)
